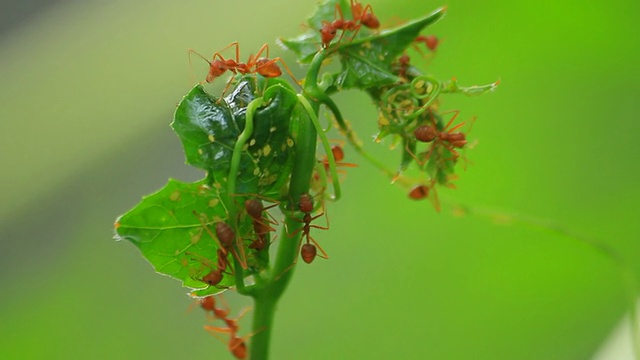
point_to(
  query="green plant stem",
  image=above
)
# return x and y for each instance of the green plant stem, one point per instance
(313, 91)
(337, 192)
(263, 313)
(231, 189)
(274, 283)
(352, 138)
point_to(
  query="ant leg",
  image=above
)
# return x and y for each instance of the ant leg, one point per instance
(297, 230)
(215, 330)
(226, 87)
(473, 121)
(324, 254)
(261, 50)
(417, 48)
(243, 313)
(453, 152)
(241, 259)
(295, 260)
(253, 59)
(338, 12)
(318, 226)
(237, 46)
(326, 216)
(225, 305)
(356, 9)
(455, 128)
(428, 154)
(456, 113)
(273, 220)
(266, 65)
(356, 29)
(206, 228)
(414, 156)
(433, 197)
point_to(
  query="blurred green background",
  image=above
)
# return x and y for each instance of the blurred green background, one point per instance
(87, 92)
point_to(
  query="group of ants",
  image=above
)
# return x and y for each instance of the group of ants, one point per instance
(224, 235)
(268, 68)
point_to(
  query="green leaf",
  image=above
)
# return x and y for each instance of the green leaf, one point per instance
(366, 58)
(310, 42)
(270, 147)
(305, 45)
(170, 235)
(368, 61)
(209, 128)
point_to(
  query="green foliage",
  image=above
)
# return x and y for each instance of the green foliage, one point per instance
(260, 142)
(170, 235)
(366, 58)
(209, 130)
(368, 61)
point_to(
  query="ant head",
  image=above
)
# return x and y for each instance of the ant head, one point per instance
(213, 278)
(328, 33)
(216, 69)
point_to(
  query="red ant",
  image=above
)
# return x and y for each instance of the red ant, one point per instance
(338, 155)
(403, 66)
(366, 18)
(224, 239)
(329, 30)
(226, 235)
(214, 277)
(236, 345)
(449, 138)
(430, 41)
(261, 225)
(361, 17)
(420, 192)
(308, 250)
(255, 64)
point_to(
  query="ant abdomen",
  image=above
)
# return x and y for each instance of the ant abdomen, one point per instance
(425, 133)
